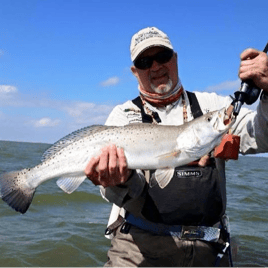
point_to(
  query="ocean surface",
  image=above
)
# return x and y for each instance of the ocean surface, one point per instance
(68, 230)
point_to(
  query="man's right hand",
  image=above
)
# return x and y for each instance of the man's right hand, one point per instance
(109, 168)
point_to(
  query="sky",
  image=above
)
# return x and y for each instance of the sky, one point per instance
(65, 64)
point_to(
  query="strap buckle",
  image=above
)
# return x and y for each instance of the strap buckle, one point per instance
(125, 228)
(110, 229)
(191, 233)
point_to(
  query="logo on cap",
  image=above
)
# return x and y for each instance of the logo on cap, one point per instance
(142, 36)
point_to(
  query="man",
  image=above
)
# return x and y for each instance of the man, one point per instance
(183, 224)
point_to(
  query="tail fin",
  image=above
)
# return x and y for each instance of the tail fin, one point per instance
(15, 190)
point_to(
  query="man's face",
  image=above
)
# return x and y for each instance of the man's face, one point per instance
(159, 78)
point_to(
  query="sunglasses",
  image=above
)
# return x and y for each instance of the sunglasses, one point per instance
(160, 57)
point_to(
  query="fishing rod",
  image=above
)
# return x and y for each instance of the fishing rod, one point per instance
(248, 93)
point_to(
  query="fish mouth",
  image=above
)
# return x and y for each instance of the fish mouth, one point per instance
(228, 118)
(224, 120)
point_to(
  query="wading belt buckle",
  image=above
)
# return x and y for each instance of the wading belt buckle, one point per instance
(191, 233)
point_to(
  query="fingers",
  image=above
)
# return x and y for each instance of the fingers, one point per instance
(254, 65)
(104, 162)
(109, 169)
(249, 53)
(247, 66)
(113, 162)
(123, 170)
(203, 161)
(91, 170)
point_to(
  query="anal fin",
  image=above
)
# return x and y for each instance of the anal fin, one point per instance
(69, 185)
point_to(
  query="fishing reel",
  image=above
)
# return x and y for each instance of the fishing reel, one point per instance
(248, 94)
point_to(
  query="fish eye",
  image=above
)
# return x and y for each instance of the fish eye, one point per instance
(209, 118)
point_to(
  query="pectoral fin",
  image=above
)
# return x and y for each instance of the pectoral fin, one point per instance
(171, 154)
(164, 176)
(69, 185)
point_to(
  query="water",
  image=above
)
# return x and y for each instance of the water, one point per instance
(67, 230)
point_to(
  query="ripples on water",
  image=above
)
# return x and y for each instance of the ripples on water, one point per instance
(247, 207)
(67, 230)
(58, 229)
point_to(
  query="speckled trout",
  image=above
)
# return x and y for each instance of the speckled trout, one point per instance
(146, 146)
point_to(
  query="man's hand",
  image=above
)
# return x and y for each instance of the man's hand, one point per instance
(204, 161)
(109, 168)
(254, 65)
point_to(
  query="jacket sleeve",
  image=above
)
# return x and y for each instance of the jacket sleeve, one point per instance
(133, 188)
(121, 194)
(252, 127)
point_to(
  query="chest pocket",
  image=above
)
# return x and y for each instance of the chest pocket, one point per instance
(192, 197)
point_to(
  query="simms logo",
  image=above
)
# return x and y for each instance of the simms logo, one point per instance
(189, 173)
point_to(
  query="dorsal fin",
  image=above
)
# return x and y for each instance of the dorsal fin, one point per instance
(71, 138)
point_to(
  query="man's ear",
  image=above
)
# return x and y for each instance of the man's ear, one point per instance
(133, 70)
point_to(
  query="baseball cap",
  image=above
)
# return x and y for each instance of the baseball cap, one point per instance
(148, 37)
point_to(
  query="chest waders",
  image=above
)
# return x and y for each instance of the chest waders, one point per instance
(196, 196)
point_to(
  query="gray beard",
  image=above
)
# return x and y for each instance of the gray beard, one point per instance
(164, 90)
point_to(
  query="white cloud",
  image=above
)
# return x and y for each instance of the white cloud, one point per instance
(227, 85)
(46, 122)
(79, 108)
(85, 113)
(53, 118)
(112, 81)
(6, 89)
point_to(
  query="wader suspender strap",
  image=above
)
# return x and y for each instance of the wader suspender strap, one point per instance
(194, 105)
(145, 117)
